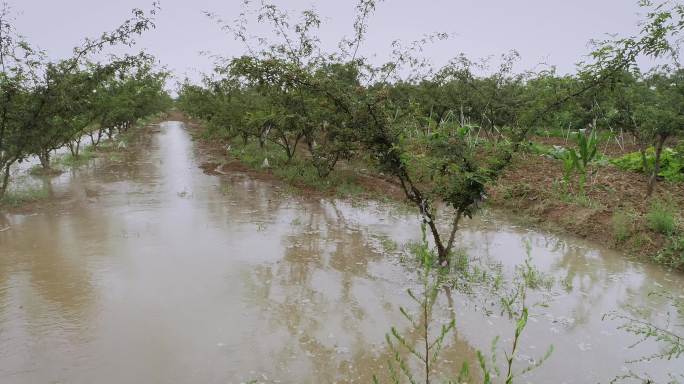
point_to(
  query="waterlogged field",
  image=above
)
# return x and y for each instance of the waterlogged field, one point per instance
(148, 270)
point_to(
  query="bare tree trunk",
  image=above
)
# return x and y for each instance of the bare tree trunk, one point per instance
(640, 142)
(294, 148)
(413, 194)
(74, 147)
(263, 136)
(100, 134)
(644, 159)
(5, 179)
(93, 141)
(454, 229)
(442, 251)
(656, 166)
(44, 158)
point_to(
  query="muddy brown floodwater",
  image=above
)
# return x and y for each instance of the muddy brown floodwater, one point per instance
(150, 271)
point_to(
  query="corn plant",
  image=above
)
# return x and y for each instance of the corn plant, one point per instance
(578, 160)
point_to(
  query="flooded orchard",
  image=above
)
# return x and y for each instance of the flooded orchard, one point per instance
(150, 271)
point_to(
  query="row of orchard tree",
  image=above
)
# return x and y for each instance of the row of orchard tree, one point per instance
(442, 133)
(49, 104)
(644, 108)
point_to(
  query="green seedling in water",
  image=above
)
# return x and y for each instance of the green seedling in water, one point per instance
(426, 352)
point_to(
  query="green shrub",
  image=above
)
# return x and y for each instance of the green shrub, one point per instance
(460, 260)
(347, 189)
(252, 155)
(661, 217)
(622, 225)
(302, 173)
(16, 198)
(671, 162)
(69, 160)
(673, 254)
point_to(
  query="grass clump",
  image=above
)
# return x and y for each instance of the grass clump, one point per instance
(16, 198)
(661, 217)
(83, 158)
(252, 155)
(622, 223)
(560, 192)
(532, 277)
(460, 260)
(302, 173)
(673, 254)
(388, 245)
(296, 171)
(349, 189)
(36, 170)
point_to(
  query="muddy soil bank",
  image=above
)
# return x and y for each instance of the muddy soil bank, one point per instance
(529, 192)
(613, 211)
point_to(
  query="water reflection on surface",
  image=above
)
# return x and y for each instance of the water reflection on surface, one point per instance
(148, 270)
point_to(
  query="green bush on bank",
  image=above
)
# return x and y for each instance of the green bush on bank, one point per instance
(661, 217)
(671, 166)
(296, 171)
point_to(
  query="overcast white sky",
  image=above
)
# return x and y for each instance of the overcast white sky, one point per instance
(554, 31)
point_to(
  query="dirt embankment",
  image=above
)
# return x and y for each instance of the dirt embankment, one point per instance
(613, 210)
(216, 160)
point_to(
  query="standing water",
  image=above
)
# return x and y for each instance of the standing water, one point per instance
(150, 271)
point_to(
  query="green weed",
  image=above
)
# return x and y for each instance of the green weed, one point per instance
(460, 261)
(69, 160)
(661, 217)
(671, 162)
(16, 198)
(225, 189)
(673, 254)
(623, 225)
(389, 246)
(560, 192)
(530, 275)
(115, 157)
(347, 189)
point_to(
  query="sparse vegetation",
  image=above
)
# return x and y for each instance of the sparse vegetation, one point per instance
(661, 217)
(20, 197)
(671, 162)
(623, 225)
(424, 344)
